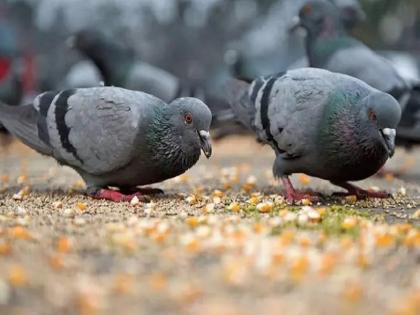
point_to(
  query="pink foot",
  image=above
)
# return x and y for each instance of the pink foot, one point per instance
(360, 193)
(116, 196)
(293, 195)
(299, 196)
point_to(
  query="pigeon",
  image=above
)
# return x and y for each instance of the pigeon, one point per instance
(120, 67)
(114, 137)
(351, 14)
(11, 82)
(11, 89)
(330, 47)
(320, 123)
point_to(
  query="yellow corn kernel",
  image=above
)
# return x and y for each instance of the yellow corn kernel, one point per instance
(192, 221)
(349, 223)
(17, 276)
(265, 207)
(82, 206)
(64, 245)
(352, 199)
(234, 207)
(20, 232)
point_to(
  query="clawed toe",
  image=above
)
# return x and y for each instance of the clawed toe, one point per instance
(363, 194)
(116, 196)
(359, 192)
(299, 196)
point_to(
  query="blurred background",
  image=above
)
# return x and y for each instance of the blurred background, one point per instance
(202, 41)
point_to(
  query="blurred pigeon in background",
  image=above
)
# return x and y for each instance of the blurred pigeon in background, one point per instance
(119, 66)
(320, 123)
(11, 85)
(83, 74)
(351, 14)
(270, 46)
(114, 137)
(330, 47)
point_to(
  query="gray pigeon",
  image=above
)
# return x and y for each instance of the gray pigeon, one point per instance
(330, 47)
(119, 66)
(114, 137)
(320, 123)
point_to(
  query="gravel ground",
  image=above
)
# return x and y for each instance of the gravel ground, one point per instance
(221, 241)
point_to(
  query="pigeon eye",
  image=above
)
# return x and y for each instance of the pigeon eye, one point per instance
(372, 116)
(188, 118)
(307, 9)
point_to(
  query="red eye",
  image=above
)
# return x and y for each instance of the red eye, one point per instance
(188, 118)
(307, 9)
(372, 115)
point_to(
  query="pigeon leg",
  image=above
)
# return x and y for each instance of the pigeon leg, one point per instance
(359, 192)
(292, 195)
(112, 195)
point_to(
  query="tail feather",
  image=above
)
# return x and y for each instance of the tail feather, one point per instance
(21, 121)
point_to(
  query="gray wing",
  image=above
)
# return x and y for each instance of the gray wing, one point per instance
(283, 104)
(96, 129)
(364, 64)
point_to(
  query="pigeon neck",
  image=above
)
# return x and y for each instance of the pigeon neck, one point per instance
(167, 146)
(113, 65)
(320, 47)
(350, 142)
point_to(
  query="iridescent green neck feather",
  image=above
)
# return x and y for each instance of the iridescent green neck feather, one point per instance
(167, 146)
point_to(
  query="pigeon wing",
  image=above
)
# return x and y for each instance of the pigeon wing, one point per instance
(96, 129)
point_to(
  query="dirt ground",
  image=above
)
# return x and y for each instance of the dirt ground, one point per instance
(221, 241)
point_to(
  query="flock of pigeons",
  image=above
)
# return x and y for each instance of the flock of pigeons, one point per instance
(338, 119)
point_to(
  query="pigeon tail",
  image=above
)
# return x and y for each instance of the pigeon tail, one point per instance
(22, 122)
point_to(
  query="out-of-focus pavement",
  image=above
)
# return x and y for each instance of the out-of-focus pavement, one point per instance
(221, 241)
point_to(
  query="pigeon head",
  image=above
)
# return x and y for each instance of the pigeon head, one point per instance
(351, 15)
(85, 40)
(191, 119)
(93, 42)
(320, 16)
(383, 113)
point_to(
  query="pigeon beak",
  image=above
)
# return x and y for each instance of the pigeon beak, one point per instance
(71, 41)
(205, 142)
(295, 25)
(389, 137)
